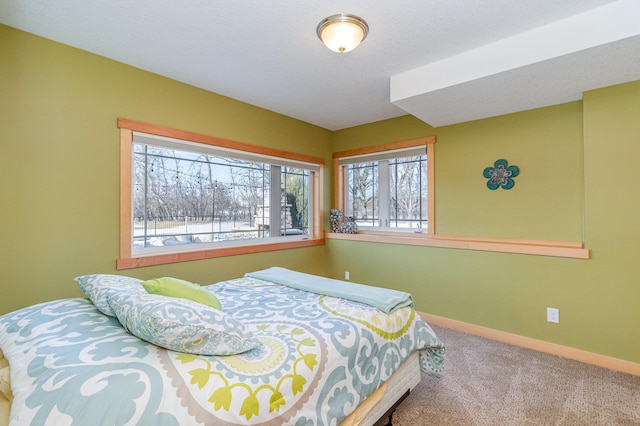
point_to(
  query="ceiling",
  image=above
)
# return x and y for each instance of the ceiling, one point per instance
(443, 61)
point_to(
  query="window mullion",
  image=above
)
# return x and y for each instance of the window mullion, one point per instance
(383, 194)
(275, 204)
(146, 197)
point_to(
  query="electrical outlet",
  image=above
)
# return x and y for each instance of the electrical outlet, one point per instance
(553, 315)
(346, 275)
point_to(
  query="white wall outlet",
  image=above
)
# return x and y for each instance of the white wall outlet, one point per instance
(553, 315)
(346, 275)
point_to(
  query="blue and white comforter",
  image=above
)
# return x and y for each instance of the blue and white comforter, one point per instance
(320, 358)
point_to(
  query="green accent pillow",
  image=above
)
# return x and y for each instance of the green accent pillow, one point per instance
(174, 287)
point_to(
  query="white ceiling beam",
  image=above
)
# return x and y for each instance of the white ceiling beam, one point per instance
(606, 24)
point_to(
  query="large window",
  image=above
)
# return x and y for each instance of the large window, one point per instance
(388, 188)
(189, 196)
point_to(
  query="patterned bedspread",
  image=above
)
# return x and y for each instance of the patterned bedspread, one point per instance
(319, 358)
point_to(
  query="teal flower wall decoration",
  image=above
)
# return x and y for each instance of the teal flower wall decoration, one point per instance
(501, 175)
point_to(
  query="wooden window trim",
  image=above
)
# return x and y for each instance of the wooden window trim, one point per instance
(127, 260)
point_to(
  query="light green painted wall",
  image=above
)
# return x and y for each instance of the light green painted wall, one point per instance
(59, 178)
(59, 164)
(546, 144)
(609, 299)
(579, 176)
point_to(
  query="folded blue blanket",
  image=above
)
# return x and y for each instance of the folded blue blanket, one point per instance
(385, 299)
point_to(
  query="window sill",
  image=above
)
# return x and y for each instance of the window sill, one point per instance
(201, 254)
(568, 249)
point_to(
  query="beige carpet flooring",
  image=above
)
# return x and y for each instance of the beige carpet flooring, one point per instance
(492, 383)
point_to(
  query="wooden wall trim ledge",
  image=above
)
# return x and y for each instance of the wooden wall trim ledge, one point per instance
(568, 249)
(538, 345)
(186, 256)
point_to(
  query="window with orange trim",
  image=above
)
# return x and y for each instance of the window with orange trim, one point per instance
(388, 188)
(212, 197)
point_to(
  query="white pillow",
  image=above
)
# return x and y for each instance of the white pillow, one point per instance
(98, 287)
(181, 325)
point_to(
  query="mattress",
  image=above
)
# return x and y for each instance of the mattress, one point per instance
(404, 379)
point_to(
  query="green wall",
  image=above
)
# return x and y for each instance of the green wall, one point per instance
(59, 168)
(546, 144)
(578, 182)
(59, 148)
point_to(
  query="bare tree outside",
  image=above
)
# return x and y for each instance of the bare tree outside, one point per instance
(361, 184)
(404, 186)
(183, 197)
(408, 177)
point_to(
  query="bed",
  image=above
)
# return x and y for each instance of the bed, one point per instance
(286, 348)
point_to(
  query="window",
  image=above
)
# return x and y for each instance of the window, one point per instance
(388, 188)
(187, 193)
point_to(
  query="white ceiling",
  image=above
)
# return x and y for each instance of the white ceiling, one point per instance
(444, 61)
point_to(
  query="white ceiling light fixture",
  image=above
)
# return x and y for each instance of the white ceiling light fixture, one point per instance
(342, 32)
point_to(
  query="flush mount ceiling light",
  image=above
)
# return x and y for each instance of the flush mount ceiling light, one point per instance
(342, 32)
